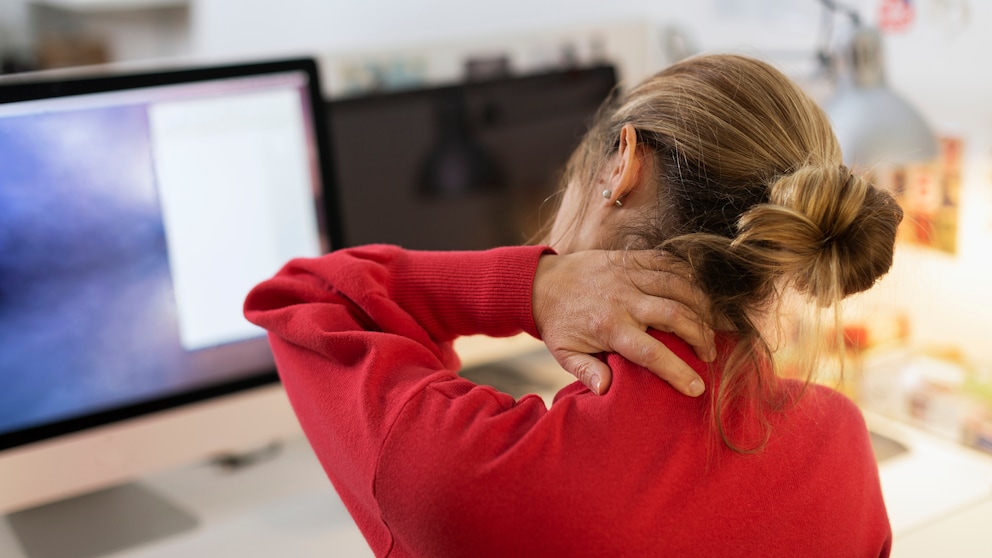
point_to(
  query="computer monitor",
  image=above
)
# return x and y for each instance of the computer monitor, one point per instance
(465, 166)
(136, 212)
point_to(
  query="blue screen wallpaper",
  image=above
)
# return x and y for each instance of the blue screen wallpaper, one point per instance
(87, 311)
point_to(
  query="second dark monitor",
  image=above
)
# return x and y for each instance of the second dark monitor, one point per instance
(470, 166)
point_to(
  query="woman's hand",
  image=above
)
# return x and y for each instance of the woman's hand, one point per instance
(597, 301)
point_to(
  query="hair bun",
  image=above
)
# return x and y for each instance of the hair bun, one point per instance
(829, 230)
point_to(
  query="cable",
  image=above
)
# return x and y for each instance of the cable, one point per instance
(846, 10)
(823, 54)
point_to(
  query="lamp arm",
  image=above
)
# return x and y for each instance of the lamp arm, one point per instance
(836, 7)
(823, 53)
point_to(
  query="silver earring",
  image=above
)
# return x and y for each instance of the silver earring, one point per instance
(609, 193)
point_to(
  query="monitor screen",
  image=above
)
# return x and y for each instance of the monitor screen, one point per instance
(136, 212)
(467, 166)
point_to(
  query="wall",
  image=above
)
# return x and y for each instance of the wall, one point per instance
(231, 27)
(13, 25)
(129, 29)
(938, 65)
(935, 63)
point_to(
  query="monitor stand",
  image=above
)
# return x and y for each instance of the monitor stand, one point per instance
(98, 523)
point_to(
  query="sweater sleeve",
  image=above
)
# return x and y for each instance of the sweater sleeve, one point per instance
(358, 333)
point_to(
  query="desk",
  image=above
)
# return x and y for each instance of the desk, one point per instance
(938, 494)
(939, 497)
(284, 506)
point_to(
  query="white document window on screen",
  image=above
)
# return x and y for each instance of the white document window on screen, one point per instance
(228, 170)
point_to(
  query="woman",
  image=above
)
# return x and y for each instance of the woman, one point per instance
(717, 176)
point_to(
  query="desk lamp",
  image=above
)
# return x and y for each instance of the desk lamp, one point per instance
(873, 124)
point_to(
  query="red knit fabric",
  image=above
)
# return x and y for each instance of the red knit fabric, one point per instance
(430, 464)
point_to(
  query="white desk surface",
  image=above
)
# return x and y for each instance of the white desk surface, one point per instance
(286, 507)
(939, 498)
(936, 495)
(281, 507)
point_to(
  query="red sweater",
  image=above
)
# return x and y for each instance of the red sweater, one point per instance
(430, 464)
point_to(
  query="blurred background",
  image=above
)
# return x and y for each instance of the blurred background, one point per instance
(920, 338)
(933, 305)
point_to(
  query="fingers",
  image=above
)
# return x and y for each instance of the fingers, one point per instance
(674, 303)
(659, 274)
(672, 317)
(640, 348)
(590, 302)
(592, 372)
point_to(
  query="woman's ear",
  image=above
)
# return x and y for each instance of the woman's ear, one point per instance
(626, 174)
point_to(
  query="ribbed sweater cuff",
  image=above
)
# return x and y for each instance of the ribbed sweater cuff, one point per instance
(468, 293)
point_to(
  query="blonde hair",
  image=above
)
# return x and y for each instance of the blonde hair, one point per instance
(752, 196)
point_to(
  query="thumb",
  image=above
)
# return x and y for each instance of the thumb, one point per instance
(592, 372)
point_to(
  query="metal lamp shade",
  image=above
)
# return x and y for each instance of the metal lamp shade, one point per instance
(873, 124)
(876, 126)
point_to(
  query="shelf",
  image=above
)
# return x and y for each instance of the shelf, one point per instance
(94, 6)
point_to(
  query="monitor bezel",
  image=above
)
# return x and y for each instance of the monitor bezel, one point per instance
(40, 86)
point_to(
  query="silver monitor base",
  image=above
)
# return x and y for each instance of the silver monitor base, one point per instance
(98, 523)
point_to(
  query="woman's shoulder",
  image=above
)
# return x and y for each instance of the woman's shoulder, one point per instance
(817, 397)
(821, 414)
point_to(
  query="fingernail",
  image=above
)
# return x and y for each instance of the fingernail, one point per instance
(591, 381)
(595, 382)
(696, 388)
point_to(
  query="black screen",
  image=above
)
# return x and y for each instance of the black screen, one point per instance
(470, 166)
